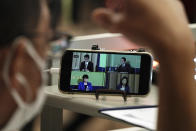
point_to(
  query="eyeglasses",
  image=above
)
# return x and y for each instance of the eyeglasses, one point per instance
(59, 43)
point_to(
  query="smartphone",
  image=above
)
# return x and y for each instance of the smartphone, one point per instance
(86, 71)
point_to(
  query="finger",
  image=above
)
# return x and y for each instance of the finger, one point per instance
(102, 17)
(107, 18)
(115, 5)
(115, 23)
(178, 6)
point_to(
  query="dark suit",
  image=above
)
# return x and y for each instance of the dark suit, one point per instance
(126, 68)
(89, 66)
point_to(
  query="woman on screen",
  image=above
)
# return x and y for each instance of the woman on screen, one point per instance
(85, 85)
(123, 86)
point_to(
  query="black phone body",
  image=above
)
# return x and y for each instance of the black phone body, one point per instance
(86, 71)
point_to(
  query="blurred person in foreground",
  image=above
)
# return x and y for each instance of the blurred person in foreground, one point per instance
(26, 27)
(162, 26)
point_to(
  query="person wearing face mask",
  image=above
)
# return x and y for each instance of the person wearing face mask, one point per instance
(123, 86)
(85, 85)
(25, 30)
(86, 65)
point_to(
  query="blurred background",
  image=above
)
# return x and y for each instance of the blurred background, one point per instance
(76, 20)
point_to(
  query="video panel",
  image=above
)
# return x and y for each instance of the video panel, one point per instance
(92, 71)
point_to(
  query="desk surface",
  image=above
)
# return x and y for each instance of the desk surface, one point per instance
(131, 129)
(87, 104)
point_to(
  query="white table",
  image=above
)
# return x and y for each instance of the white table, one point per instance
(130, 129)
(52, 114)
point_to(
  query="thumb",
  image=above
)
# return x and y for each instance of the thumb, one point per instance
(106, 18)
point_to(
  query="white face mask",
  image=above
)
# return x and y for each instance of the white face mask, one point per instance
(25, 111)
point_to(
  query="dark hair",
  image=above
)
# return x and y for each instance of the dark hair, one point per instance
(20, 17)
(123, 58)
(55, 12)
(123, 79)
(86, 56)
(85, 76)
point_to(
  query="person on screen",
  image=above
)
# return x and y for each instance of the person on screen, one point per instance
(123, 86)
(85, 85)
(124, 66)
(86, 65)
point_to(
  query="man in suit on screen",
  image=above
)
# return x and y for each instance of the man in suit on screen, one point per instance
(124, 66)
(86, 65)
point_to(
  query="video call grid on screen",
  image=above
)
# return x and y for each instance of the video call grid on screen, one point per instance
(92, 71)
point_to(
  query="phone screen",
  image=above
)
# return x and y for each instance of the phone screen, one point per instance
(90, 71)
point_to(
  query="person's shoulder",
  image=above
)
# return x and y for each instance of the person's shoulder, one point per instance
(89, 83)
(81, 83)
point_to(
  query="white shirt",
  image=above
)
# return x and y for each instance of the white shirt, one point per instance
(86, 64)
(122, 88)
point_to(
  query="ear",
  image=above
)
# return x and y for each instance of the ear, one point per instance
(22, 62)
(17, 53)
